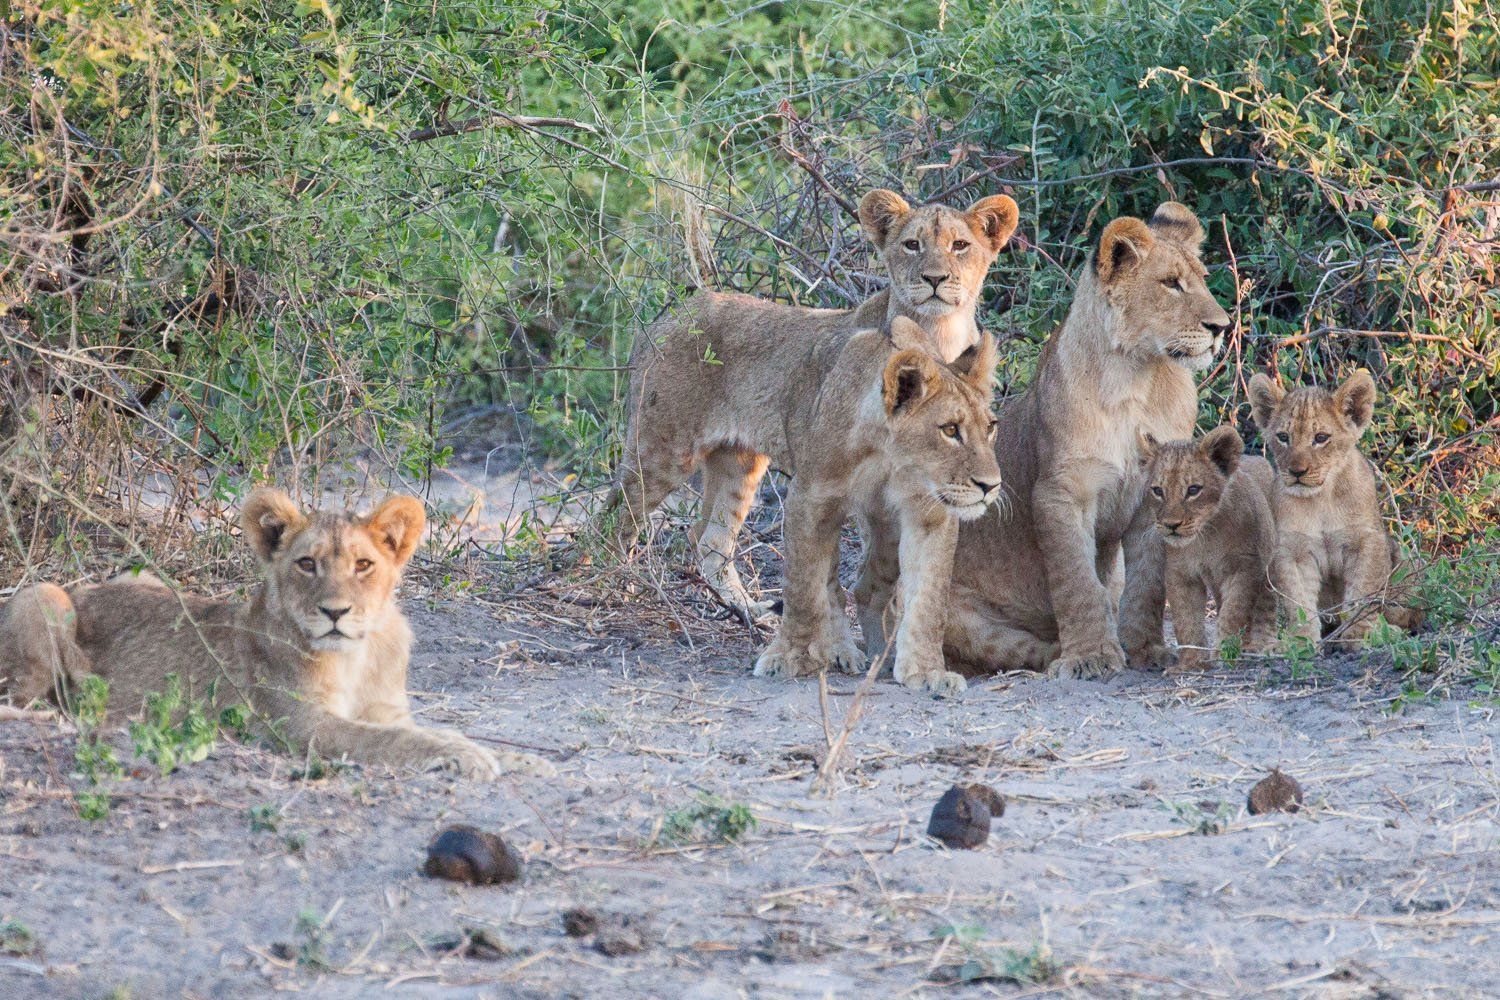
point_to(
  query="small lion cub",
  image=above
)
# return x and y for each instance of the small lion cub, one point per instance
(1213, 511)
(1334, 557)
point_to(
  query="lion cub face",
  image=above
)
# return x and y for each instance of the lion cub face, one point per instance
(937, 256)
(942, 442)
(331, 575)
(1186, 480)
(1312, 431)
(1153, 280)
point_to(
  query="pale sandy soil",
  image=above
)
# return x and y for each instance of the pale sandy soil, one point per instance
(1387, 885)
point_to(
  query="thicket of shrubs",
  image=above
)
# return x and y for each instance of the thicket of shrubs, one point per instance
(227, 227)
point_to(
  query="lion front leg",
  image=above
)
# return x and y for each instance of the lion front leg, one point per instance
(1298, 580)
(926, 554)
(1065, 531)
(876, 587)
(1142, 604)
(808, 640)
(1365, 585)
(1188, 596)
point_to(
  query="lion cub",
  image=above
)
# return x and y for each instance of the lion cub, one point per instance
(319, 652)
(1334, 557)
(1213, 510)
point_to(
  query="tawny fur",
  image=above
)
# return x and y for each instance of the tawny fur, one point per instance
(1334, 557)
(1212, 508)
(707, 378)
(1029, 586)
(319, 651)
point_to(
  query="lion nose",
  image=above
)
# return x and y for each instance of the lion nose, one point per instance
(1171, 525)
(334, 614)
(985, 486)
(935, 280)
(1298, 473)
(1216, 329)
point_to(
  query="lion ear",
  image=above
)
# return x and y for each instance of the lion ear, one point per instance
(910, 376)
(908, 335)
(881, 213)
(1123, 246)
(269, 518)
(1176, 221)
(976, 365)
(1223, 447)
(1147, 447)
(1265, 396)
(397, 524)
(995, 217)
(1356, 399)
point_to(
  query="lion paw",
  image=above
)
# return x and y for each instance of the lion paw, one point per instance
(929, 673)
(780, 660)
(1152, 656)
(1190, 660)
(468, 758)
(1089, 663)
(527, 763)
(846, 656)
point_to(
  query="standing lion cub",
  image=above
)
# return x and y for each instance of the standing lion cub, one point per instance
(319, 652)
(1213, 511)
(1334, 558)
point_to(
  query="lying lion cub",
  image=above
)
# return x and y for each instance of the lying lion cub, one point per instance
(1213, 509)
(699, 375)
(1335, 556)
(319, 652)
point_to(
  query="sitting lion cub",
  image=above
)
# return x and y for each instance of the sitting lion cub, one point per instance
(319, 652)
(1213, 510)
(1334, 555)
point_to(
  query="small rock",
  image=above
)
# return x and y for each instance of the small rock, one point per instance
(467, 854)
(1275, 793)
(580, 922)
(961, 817)
(991, 798)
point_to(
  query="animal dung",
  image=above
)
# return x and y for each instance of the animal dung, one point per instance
(467, 854)
(962, 816)
(580, 921)
(1276, 792)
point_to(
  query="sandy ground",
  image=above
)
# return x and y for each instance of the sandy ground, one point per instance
(1126, 856)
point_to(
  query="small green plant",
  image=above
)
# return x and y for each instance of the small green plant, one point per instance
(235, 720)
(1301, 654)
(95, 759)
(16, 938)
(710, 815)
(1206, 818)
(1008, 965)
(167, 744)
(1231, 648)
(295, 843)
(264, 818)
(312, 951)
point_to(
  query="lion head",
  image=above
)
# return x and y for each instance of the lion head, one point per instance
(942, 430)
(937, 256)
(1153, 280)
(331, 575)
(1186, 480)
(1312, 431)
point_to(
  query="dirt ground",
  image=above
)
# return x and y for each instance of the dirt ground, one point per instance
(1126, 863)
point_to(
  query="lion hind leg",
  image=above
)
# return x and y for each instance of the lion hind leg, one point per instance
(730, 478)
(977, 641)
(39, 651)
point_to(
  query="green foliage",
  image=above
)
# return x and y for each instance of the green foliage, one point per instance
(16, 938)
(94, 758)
(264, 818)
(168, 743)
(1206, 818)
(711, 818)
(1032, 967)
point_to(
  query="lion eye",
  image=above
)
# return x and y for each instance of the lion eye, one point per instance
(960, 246)
(1282, 438)
(1320, 438)
(1156, 492)
(990, 431)
(913, 244)
(1194, 490)
(950, 431)
(362, 565)
(1172, 284)
(307, 565)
